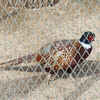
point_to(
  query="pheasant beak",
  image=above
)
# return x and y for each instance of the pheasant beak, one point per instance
(93, 39)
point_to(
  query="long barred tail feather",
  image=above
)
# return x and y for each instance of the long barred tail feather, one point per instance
(28, 58)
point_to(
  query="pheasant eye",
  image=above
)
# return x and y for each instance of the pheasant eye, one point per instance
(90, 36)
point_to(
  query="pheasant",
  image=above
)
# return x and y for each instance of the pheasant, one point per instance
(61, 54)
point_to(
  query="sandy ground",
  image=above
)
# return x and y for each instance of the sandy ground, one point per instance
(25, 31)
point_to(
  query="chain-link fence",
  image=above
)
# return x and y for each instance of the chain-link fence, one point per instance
(28, 25)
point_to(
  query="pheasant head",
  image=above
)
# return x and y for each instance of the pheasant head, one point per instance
(86, 39)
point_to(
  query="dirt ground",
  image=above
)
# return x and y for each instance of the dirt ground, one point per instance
(24, 31)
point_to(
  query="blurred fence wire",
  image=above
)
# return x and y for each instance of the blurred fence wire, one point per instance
(28, 25)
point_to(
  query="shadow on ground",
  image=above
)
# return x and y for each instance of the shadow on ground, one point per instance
(23, 86)
(87, 68)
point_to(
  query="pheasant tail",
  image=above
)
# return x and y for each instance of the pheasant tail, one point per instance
(28, 59)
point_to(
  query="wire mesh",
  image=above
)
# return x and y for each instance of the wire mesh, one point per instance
(28, 25)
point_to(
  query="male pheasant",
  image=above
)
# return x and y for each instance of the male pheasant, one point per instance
(61, 54)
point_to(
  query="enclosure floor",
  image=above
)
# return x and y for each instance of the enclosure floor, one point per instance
(26, 32)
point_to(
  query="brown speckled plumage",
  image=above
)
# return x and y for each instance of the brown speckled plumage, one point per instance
(62, 55)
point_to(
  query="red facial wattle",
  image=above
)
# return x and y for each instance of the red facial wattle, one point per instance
(91, 38)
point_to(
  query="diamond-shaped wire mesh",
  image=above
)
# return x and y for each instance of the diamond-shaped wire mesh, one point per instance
(28, 25)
